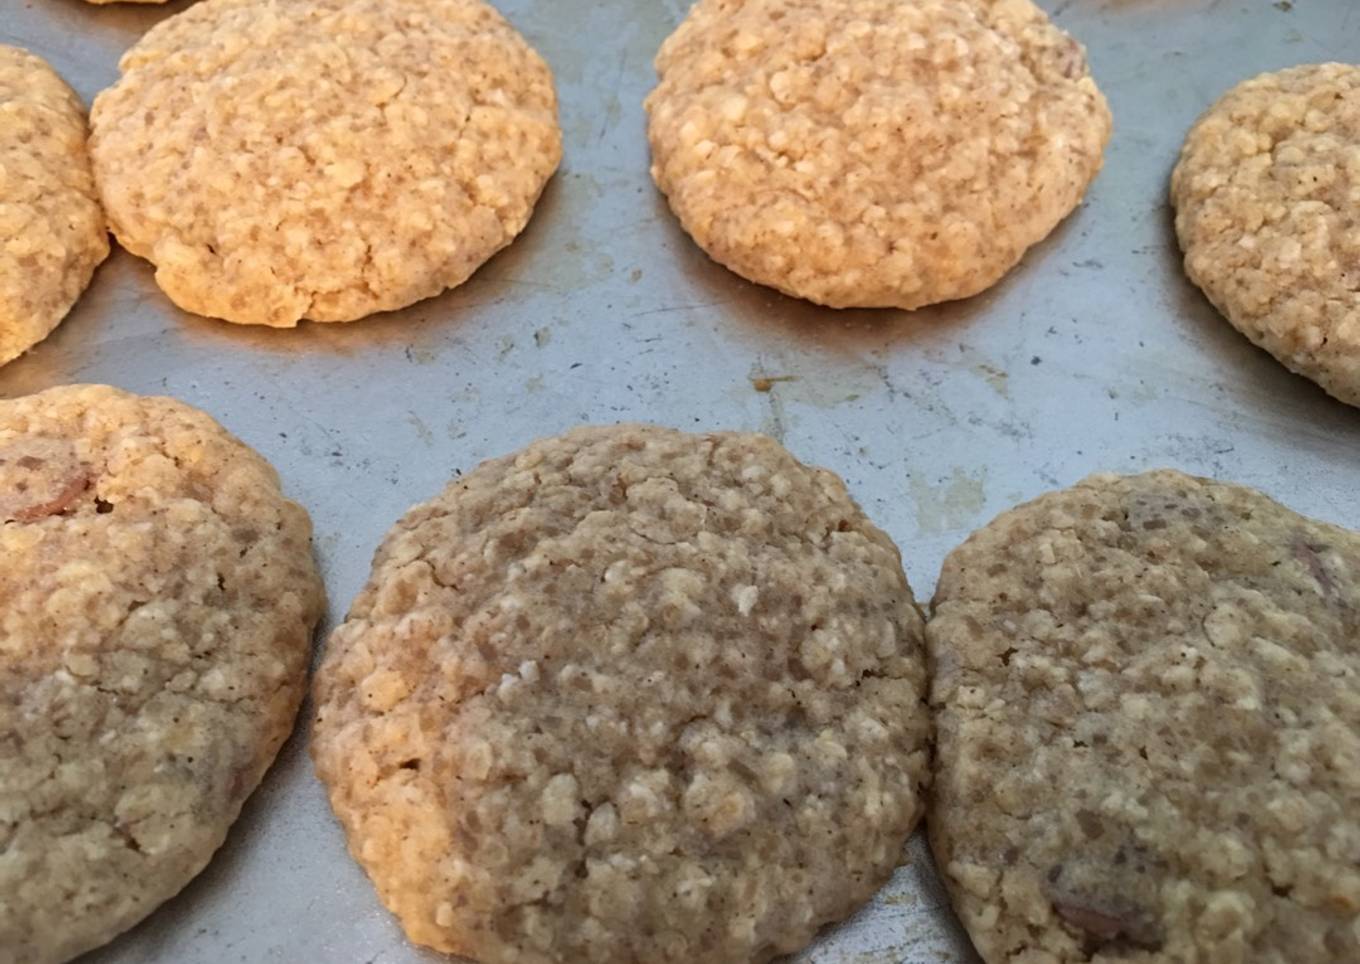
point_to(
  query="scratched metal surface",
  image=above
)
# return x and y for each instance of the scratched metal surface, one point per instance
(1094, 354)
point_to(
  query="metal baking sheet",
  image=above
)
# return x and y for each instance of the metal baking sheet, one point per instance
(1095, 354)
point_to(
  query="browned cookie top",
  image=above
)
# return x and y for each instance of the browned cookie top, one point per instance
(873, 153)
(1267, 196)
(52, 231)
(323, 159)
(628, 695)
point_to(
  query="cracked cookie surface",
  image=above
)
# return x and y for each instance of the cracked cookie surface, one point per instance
(873, 153)
(628, 694)
(52, 231)
(323, 159)
(157, 601)
(1147, 694)
(1267, 214)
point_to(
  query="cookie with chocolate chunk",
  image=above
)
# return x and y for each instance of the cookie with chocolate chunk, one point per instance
(157, 599)
(1147, 692)
(630, 694)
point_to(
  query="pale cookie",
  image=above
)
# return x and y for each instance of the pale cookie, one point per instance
(628, 695)
(873, 153)
(52, 231)
(157, 600)
(1267, 197)
(1147, 691)
(323, 159)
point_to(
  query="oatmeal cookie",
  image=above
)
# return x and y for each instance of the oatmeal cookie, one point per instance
(157, 600)
(323, 159)
(873, 153)
(630, 694)
(1147, 692)
(52, 232)
(1266, 212)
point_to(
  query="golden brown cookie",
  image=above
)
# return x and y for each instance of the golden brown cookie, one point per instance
(52, 232)
(157, 601)
(323, 159)
(873, 153)
(1268, 217)
(1147, 694)
(628, 695)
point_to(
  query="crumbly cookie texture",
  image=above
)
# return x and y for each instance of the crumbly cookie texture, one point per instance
(52, 231)
(628, 695)
(157, 600)
(1147, 692)
(873, 153)
(1267, 214)
(323, 159)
